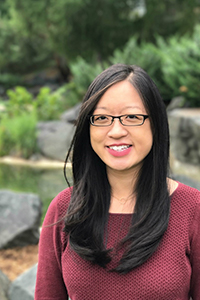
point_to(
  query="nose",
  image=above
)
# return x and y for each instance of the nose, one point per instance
(117, 130)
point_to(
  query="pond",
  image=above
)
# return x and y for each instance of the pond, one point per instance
(46, 183)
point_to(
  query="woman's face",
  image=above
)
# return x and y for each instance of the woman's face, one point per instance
(120, 147)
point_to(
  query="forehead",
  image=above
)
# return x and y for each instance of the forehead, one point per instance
(121, 95)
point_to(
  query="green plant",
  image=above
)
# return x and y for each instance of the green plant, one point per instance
(18, 135)
(145, 55)
(19, 100)
(46, 105)
(180, 65)
(173, 64)
(8, 80)
(83, 73)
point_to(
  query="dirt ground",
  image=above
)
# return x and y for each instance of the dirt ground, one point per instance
(15, 261)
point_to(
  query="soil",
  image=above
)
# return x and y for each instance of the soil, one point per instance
(15, 261)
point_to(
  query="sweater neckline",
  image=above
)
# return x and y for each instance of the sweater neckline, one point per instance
(131, 214)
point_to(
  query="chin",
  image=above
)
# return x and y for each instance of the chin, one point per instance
(125, 168)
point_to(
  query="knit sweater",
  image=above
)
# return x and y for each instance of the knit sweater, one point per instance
(171, 273)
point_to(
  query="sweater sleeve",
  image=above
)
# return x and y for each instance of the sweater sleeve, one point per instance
(195, 254)
(49, 282)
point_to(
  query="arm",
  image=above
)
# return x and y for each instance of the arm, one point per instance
(49, 282)
(195, 255)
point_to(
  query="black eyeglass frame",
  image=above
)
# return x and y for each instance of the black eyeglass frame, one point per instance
(117, 117)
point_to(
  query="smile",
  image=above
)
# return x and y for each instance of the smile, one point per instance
(119, 148)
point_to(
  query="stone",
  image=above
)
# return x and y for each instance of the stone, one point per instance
(54, 138)
(71, 114)
(20, 217)
(176, 102)
(23, 288)
(187, 180)
(4, 286)
(184, 126)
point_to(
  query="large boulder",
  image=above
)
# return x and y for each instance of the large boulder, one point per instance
(54, 138)
(23, 288)
(71, 114)
(184, 127)
(187, 180)
(20, 216)
(4, 286)
(177, 102)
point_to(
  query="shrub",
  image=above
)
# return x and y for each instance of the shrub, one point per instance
(145, 55)
(83, 73)
(8, 80)
(18, 122)
(173, 64)
(49, 106)
(18, 135)
(19, 100)
(180, 66)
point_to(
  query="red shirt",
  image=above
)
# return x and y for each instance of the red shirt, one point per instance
(171, 273)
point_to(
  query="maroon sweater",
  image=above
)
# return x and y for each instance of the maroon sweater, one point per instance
(171, 273)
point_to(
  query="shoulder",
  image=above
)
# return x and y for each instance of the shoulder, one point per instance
(61, 201)
(185, 201)
(186, 194)
(58, 206)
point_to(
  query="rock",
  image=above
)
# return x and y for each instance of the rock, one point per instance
(184, 125)
(20, 216)
(71, 115)
(4, 286)
(54, 138)
(176, 102)
(188, 181)
(23, 288)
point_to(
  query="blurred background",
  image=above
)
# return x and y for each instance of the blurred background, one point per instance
(50, 51)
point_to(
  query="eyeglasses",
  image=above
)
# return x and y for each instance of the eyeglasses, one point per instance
(126, 120)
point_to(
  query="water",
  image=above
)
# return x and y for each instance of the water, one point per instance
(46, 183)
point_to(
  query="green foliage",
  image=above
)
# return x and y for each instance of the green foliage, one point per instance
(19, 100)
(166, 18)
(35, 33)
(174, 64)
(21, 50)
(8, 80)
(3, 8)
(49, 106)
(180, 66)
(145, 55)
(83, 73)
(18, 122)
(46, 106)
(18, 135)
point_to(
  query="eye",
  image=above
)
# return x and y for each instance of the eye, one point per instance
(132, 117)
(99, 118)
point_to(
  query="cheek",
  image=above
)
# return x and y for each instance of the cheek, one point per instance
(146, 141)
(95, 138)
(149, 139)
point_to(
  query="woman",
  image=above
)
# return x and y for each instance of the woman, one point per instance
(130, 232)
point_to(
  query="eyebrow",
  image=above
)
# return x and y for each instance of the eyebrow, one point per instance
(105, 108)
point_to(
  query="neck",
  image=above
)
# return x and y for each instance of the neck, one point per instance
(122, 183)
(122, 187)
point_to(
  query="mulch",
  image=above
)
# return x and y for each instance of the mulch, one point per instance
(15, 261)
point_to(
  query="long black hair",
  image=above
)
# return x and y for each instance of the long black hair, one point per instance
(88, 210)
